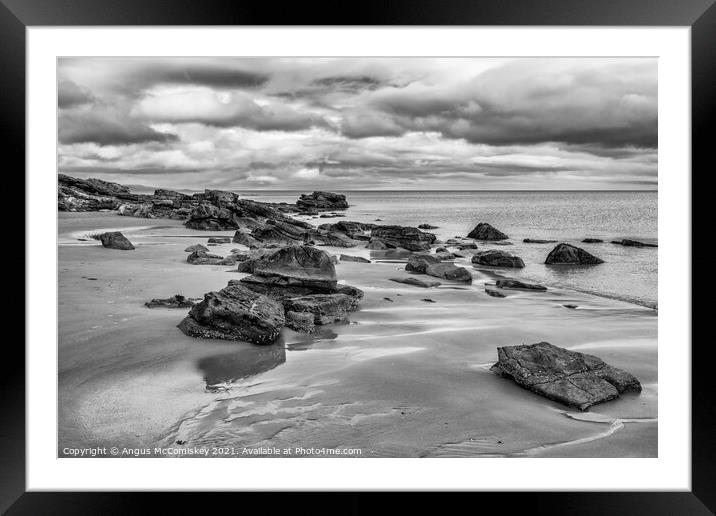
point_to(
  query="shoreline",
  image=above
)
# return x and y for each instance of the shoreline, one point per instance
(430, 342)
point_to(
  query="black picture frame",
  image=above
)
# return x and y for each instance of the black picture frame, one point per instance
(700, 15)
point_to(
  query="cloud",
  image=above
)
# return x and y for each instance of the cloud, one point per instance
(70, 95)
(222, 109)
(307, 173)
(106, 128)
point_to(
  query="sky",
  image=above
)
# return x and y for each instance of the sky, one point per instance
(360, 123)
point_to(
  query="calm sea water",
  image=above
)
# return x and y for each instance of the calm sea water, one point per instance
(629, 273)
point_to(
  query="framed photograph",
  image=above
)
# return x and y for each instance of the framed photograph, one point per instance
(424, 248)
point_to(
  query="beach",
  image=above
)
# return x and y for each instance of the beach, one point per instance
(404, 377)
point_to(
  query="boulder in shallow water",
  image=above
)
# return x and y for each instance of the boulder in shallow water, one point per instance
(514, 284)
(378, 245)
(325, 308)
(219, 240)
(196, 247)
(449, 272)
(493, 293)
(495, 258)
(298, 265)
(632, 243)
(485, 231)
(115, 240)
(427, 226)
(204, 258)
(235, 313)
(406, 237)
(419, 262)
(349, 258)
(322, 201)
(568, 377)
(176, 301)
(300, 321)
(572, 255)
(592, 241)
(416, 282)
(537, 241)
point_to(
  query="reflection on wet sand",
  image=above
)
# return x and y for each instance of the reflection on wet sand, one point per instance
(244, 362)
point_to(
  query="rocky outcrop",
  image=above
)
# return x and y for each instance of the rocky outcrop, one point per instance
(300, 321)
(377, 244)
(283, 232)
(303, 266)
(514, 284)
(244, 238)
(575, 379)
(322, 201)
(416, 282)
(569, 254)
(632, 243)
(176, 301)
(325, 308)
(91, 194)
(484, 231)
(406, 237)
(235, 313)
(494, 258)
(449, 272)
(427, 226)
(419, 262)
(115, 240)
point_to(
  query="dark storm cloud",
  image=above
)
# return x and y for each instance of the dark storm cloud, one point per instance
(106, 128)
(70, 95)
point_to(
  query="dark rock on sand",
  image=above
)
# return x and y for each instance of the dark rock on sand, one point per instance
(333, 239)
(176, 301)
(494, 293)
(496, 258)
(537, 241)
(484, 231)
(282, 231)
(428, 300)
(416, 282)
(569, 254)
(219, 240)
(196, 247)
(592, 241)
(571, 306)
(322, 201)
(449, 272)
(349, 258)
(633, 243)
(296, 265)
(406, 237)
(419, 262)
(235, 313)
(325, 308)
(427, 226)
(350, 228)
(204, 258)
(568, 377)
(518, 285)
(115, 240)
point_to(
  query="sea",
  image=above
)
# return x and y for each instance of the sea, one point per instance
(628, 274)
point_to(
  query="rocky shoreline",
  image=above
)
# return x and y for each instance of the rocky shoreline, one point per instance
(293, 283)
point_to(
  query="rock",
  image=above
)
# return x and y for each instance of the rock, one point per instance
(416, 282)
(300, 321)
(162, 193)
(235, 313)
(518, 285)
(325, 308)
(282, 231)
(537, 241)
(349, 258)
(449, 271)
(484, 231)
(441, 250)
(255, 258)
(406, 237)
(233, 259)
(427, 226)
(571, 306)
(633, 243)
(446, 256)
(176, 301)
(377, 244)
(196, 247)
(428, 300)
(204, 258)
(419, 262)
(592, 241)
(495, 258)
(333, 239)
(303, 266)
(568, 377)
(115, 240)
(219, 240)
(350, 228)
(569, 254)
(322, 201)
(465, 247)
(493, 293)
(244, 238)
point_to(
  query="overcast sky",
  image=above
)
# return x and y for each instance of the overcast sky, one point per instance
(360, 123)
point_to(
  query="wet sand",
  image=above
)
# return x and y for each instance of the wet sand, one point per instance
(405, 378)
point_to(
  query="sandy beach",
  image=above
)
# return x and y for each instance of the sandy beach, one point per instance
(404, 378)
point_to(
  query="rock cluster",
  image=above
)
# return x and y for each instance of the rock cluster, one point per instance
(322, 201)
